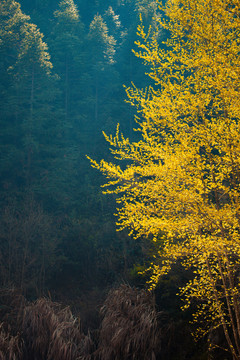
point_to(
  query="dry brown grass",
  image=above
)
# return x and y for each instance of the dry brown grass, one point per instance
(52, 333)
(44, 330)
(129, 328)
(11, 347)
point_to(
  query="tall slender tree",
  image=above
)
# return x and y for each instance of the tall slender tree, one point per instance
(67, 48)
(25, 65)
(101, 57)
(179, 185)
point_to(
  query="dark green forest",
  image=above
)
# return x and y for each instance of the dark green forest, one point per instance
(63, 66)
(69, 282)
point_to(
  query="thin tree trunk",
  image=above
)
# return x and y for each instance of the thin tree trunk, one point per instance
(30, 128)
(66, 90)
(96, 100)
(228, 301)
(219, 307)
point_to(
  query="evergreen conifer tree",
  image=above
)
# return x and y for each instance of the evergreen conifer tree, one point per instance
(25, 66)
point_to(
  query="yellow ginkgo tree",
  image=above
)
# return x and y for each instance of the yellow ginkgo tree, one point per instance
(182, 178)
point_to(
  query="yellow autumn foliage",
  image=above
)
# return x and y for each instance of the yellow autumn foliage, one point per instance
(182, 178)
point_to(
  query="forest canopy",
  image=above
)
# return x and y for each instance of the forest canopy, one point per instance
(179, 184)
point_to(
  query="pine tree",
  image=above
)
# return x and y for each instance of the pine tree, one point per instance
(67, 48)
(25, 65)
(101, 57)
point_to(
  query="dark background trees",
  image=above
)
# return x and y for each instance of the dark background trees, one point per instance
(62, 66)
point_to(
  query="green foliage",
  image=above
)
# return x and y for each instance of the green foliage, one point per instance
(102, 44)
(67, 12)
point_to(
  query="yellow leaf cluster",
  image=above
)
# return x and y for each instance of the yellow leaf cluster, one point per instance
(182, 177)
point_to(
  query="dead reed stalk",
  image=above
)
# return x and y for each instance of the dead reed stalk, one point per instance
(129, 328)
(52, 333)
(11, 347)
